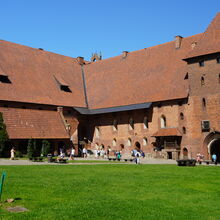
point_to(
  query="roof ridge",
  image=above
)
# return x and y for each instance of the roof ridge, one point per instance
(151, 47)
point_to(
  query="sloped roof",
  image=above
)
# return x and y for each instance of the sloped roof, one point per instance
(32, 72)
(151, 74)
(167, 132)
(31, 123)
(210, 41)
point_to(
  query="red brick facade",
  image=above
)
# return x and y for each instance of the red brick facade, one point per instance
(49, 96)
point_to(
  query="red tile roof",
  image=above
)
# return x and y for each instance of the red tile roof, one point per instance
(32, 72)
(210, 41)
(167, 132)
(152, 74)
(30, 123)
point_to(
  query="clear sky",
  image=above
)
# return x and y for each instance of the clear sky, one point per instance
(79, 28)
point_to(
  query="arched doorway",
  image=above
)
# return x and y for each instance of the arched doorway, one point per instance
(185, 153)
(212, 144)
(215, 148)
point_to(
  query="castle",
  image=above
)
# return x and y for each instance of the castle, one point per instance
(164, 99)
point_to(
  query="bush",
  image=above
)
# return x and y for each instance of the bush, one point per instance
(45, 148)
(31, 148)
(3, 134)
(18, 154)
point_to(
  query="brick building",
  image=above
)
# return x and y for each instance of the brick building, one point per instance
(163, 99)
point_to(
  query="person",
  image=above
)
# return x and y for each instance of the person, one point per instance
(12, 153)
(72, 153)
(84, 152)
(137, 157)
(214, 158)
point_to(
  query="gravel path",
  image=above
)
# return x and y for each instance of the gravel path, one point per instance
(28, 162)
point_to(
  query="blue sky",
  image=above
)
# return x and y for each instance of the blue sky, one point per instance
(79, 28)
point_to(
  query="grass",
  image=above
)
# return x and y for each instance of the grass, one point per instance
(113, 192)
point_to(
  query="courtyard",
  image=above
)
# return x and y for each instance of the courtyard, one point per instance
(112, 191)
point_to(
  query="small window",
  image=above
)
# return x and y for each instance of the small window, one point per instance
(201, 63)
(184, 130)
(145, 141)
(97, 132)
(203, 103)
(65, 88)
(219, 78)
(218, 60)
(129, 142)
(114, 143)
(62, 84)
(181, 116)
(115, 125)
(131, 124)
(162, 121)
(205, 125)
(4, 79)
(186, 76)
(145, 123)
(202, 81)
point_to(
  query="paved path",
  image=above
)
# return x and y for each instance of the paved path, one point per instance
(28, 162)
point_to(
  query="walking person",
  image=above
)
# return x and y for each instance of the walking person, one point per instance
(84, 152)
(214, 158)
(12, 154)
(72, 153)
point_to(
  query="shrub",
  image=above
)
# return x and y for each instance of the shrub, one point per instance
(3, 134)
(31, 148)
(45, 148)
(18, 154)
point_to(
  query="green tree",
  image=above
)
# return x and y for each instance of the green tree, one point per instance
(45, 148)
(31, 148)
(3, 134)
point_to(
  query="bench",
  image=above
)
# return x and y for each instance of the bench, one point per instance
(186, 162)
(207, 162)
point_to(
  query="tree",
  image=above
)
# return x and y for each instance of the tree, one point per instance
(31, 148)
(3, 134)
(45, 148)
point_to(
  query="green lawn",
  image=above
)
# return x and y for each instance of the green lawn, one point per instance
(113, 192)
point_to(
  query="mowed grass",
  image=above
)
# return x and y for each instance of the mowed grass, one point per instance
(113, 192)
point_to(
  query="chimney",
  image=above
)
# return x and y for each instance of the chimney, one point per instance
(124, 54)
(178, 40)
(80, 60)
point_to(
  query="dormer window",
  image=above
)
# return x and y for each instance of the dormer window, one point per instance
(62, 84)
(4, 78)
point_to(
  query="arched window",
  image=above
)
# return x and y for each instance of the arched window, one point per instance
(202, 81)
(203, 103)
(162, 121)
(114, 143)
(181, 116)
(122, 146)
(97, 132)
(145, 141)
(145, 123)
(115, 125)
(137, 145)
(131, 124)
(184, 130)
(129, 143)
